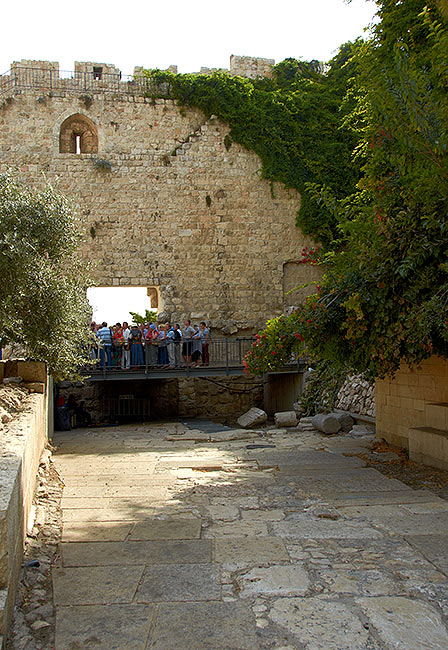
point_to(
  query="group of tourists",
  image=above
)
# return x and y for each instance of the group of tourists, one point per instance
(149, 344)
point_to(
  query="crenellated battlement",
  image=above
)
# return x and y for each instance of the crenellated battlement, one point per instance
(89, 76)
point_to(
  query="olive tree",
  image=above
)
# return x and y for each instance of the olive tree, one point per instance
(43, 301)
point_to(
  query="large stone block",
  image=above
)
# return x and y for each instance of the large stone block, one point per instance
(33, 371)
(326, 423)
(285, 419)
(253, 418)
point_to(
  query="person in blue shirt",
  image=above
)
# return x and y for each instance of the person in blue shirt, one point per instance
(105, 337)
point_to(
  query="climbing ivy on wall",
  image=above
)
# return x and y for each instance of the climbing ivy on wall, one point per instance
(294, 122)
(384, 297)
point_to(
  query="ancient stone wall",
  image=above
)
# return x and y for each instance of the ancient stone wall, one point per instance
(357, 395)
(167, 201)
(225, 398)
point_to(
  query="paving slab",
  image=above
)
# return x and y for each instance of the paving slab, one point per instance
(204, 626)
(349, 480)
(237, 529)
(392, 556)
(306, 460)
(382, 498)
(180, 582)
(98, 585)
(276, 580)
(347, 444)
(168, 551)
(348, 581)
(434, 547)
(156, 529)
(262, 515)
(243, 551)
(320, 624)
(96, 531)
(324, 528)
(409, 524)
(152, 492)
(222, 512)
(130, 513)
(405, 624)
(108, 503)
(103, 627)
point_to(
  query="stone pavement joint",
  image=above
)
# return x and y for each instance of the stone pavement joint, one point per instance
(176, 536)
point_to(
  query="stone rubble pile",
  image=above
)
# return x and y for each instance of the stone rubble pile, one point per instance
(357, 395)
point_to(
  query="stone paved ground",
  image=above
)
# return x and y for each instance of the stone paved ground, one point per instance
(182, 539)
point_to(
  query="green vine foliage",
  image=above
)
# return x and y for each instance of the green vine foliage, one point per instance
(294, 122)
(322, 388)
(384, 296)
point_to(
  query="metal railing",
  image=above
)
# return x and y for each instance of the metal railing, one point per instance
(225, 354)
(22, 78)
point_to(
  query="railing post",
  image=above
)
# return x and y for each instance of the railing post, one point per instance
(227, 356)
(239, 353)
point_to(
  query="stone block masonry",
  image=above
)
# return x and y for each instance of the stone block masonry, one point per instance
(412, 411)
(22, 442)
(164, 201)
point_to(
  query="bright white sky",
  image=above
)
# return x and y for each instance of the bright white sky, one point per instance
(189, 34)
(112, 304)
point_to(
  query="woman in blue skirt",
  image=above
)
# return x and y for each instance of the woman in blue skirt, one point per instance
(135, 339)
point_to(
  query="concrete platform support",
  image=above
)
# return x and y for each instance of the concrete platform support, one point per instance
(21, 447)
(412, 411)
(281, 391)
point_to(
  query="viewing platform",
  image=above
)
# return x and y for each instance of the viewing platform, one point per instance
(226, 359)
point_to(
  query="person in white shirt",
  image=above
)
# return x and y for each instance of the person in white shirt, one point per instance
(126, 356)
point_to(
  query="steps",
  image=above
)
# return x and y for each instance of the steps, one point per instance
(429, 444)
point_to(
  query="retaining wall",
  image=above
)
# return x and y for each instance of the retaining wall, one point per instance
(412, 411)
(21, 446)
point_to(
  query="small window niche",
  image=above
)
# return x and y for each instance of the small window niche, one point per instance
(78, 135)
(153, 294)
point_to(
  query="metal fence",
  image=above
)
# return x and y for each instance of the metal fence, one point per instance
(225, 354)
(21, 78)
(126, 406)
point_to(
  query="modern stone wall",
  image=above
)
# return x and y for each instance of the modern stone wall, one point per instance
(404, 402)
(167, 201)
(21, 445)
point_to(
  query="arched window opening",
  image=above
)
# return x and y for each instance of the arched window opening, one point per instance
(78, 135)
